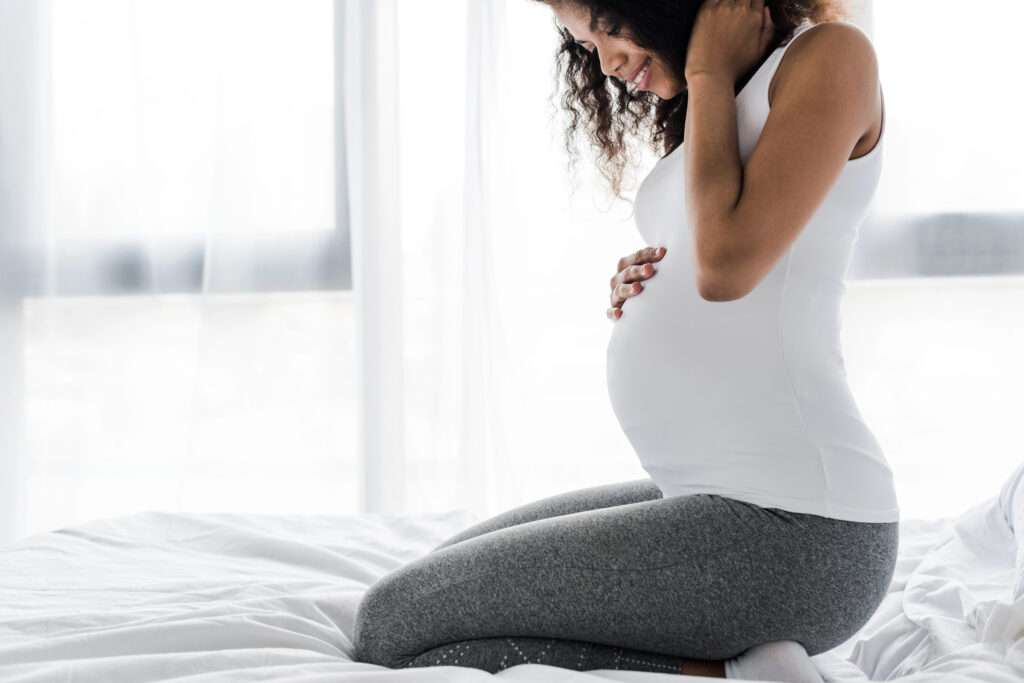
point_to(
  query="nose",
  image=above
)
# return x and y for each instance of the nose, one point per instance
(611, 61)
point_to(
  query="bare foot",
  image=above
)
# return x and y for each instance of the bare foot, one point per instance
(708, 668)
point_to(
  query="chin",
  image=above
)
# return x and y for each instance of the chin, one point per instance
(676, 90)
(667, 93)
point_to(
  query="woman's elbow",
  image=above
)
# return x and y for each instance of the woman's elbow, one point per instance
(716, 289)
(725, 278)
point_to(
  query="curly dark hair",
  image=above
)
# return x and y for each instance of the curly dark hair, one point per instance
(612, 115)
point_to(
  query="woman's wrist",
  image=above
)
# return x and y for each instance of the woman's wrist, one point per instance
(702, 78)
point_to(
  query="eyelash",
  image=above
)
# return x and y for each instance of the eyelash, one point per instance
(613, 31)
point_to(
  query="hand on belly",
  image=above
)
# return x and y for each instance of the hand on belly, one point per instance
(626, 282)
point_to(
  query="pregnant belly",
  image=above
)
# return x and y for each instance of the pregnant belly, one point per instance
(673, 352)
(650, 345)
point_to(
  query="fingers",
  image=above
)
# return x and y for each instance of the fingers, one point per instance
(757, 5)
(633, 268)
(767, 31)
(752, 4)
(630, 274)
(622, 292)
(642, 256)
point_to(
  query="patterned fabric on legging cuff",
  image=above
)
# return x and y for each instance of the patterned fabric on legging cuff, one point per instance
(496, 654)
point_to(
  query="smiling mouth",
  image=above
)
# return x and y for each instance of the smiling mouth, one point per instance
(641, 73)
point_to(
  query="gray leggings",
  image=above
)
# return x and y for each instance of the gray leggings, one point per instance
(619, 577)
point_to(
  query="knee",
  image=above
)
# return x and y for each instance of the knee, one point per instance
(373, 631)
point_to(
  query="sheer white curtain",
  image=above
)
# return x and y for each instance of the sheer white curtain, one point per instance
(177, 334)
(180, 329)
(481, 286)
(499, 394)
(934, 317)
(177, 318)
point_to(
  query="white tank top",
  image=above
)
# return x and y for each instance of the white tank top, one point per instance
(748, 399)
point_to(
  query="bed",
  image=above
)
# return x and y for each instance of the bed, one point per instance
(197, 598)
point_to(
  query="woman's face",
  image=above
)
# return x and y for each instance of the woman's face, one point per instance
(619, 57)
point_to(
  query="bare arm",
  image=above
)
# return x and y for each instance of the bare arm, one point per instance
(743, 219)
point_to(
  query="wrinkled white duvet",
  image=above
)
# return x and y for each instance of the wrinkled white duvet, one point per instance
(213, 597)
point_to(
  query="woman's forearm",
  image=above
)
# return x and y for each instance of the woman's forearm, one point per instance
(714, 172)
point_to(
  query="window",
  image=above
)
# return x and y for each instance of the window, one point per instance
(951, 199)
(193, 141)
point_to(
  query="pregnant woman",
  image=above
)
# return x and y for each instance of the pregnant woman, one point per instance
(768, 529)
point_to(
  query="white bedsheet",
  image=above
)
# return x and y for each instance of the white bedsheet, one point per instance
(213, 597)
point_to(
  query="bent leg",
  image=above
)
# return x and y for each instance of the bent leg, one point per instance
(638, 586)
(580, 500)
(584, 589)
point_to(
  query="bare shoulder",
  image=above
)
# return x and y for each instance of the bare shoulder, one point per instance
(835, 61)
(835, 51)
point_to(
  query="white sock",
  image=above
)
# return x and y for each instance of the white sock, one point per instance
(780, 660)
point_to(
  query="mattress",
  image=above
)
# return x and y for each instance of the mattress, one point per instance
(193, 598)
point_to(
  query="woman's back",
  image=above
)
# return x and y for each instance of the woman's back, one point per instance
(748, 398)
